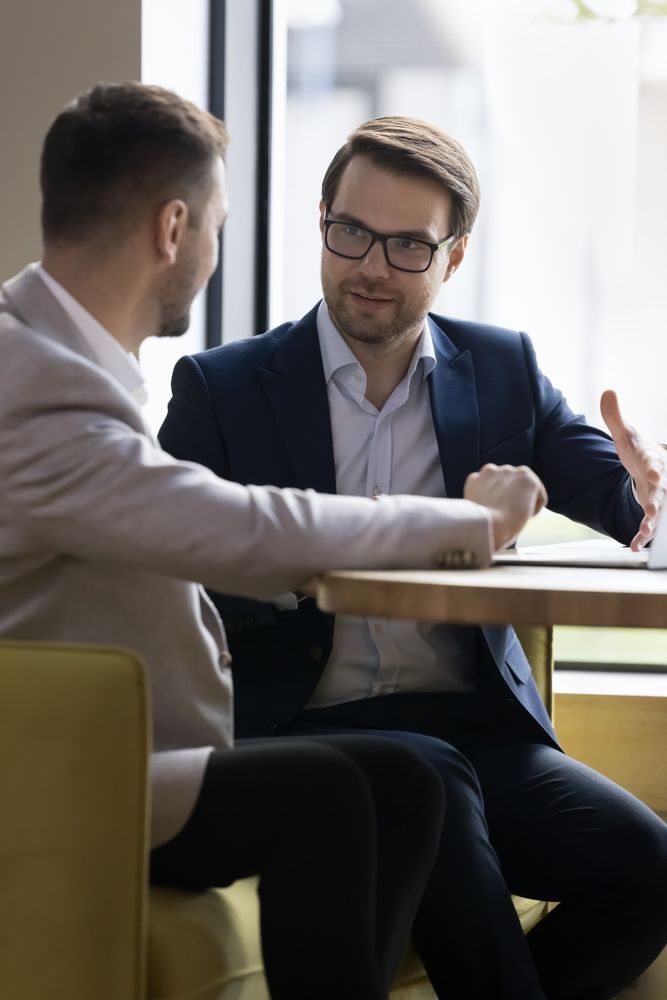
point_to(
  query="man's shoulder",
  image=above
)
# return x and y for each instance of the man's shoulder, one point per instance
(39, 372)
(259, 350)
(19, 340)
(469, 334)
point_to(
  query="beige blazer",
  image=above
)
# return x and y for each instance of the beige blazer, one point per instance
(102, 534)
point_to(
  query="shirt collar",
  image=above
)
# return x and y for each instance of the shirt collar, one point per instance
(337, 355)
(110, 355)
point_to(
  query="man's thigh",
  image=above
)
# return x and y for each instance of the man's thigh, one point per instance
(463, 793)
(557, 826)
(251, 798)
(438, 752)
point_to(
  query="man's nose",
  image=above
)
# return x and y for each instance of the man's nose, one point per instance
(375, 262)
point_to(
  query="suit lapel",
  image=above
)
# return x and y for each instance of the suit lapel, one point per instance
(455, 411)
(297, 394)
(296, 391)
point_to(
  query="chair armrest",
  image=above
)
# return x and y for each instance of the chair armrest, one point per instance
(73, 767)
(537, 642)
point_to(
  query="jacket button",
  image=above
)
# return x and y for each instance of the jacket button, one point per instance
(272, 723)
(455, 559)
(316, 652)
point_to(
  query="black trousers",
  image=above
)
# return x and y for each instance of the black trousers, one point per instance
(343, 832)
(523, 818)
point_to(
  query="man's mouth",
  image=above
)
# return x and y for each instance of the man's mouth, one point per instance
(369, 298)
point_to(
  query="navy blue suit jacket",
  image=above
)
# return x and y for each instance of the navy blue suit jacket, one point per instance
(256, 411)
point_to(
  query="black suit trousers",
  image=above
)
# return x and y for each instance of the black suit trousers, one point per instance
(523, 818)
(343, 832)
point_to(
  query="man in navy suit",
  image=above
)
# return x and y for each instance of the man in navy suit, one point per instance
(370, 394)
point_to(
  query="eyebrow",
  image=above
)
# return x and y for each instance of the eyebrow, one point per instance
(411, 233)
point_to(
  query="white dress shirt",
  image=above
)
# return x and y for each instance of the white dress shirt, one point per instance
(110, 355)
(392, 450)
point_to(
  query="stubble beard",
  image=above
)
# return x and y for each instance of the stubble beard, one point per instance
(173, 324)
(175, 301)
(401, 325)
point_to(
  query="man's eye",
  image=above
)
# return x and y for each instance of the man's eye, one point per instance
(353, 231)
(403, 243)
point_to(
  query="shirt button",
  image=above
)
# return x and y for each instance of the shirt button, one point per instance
(358, 376)
(315, 652)
(378, 628)
(225, 659)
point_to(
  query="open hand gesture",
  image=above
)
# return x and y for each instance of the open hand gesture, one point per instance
(645, 460)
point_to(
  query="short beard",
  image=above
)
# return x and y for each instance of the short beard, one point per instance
(369, 331)
(175, 299)
(173, 325)
(387, 333)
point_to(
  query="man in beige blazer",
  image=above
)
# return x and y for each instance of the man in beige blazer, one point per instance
(102, 534)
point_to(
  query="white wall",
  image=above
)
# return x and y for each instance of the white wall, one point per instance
(48, 53)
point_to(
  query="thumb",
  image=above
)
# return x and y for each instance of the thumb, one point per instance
(611, 414)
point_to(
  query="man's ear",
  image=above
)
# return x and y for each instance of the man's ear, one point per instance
(323, 212)
(172, 221)
(456, 256)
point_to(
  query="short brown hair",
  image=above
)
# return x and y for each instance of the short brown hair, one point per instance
(118, 148)
(410, 146)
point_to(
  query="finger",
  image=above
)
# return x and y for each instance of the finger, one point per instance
(541, 499)
(643, 536)
(652, 507)
(611, 414)
(650, 460)
(649, 488)
(536, 483)
(654, 501)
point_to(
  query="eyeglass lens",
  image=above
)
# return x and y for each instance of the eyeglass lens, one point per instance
(354, 242)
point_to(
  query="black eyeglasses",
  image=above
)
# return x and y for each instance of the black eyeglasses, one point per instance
(405, 253)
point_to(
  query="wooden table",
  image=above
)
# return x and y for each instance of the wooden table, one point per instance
(636, 755)
(522, 595)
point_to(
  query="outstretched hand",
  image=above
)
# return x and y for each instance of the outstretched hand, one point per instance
(644, 459)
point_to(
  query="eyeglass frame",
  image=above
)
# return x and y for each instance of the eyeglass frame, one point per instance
(383, 239)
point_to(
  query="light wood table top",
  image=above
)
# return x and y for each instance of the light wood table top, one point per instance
(520, 595)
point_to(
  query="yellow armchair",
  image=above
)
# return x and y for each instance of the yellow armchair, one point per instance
(78, 922)
(73, 755)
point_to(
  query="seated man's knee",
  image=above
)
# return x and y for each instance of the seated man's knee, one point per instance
(644, 843)
(454, 768)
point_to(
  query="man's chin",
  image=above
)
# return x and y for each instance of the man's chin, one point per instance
(369, 332)
(174, 328)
